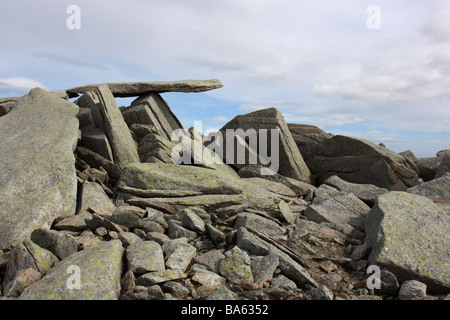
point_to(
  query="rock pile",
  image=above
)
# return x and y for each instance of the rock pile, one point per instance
(100, 202)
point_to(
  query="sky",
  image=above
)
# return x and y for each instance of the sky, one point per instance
(378, 70)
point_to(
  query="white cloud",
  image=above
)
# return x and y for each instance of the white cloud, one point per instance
(18, 85)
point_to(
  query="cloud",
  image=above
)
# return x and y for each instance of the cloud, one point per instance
(70, 60)
(18, 85)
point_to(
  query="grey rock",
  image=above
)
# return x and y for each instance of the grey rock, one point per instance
(175, 288)
(408, 154)
(236, 266)
(75, 223)
(307, 137)
(322, 293)
(145, 256)
(192, 221)
(413, 290)
(38, 181)
(97, 161)
(179, 256)
(96, 140)
(264, 225)
(211, 259)
(399, 227)
(263, 268)
(100, 270)
(176, 230)
(283, 282)
(428, 167)
(152, 278)
(60, 244)
(129, 220)
(217, 236)
(133, 89)
(389, 283)
(128, 238)
(437, 189)
(94, 198)
(221, 293)
(444, 167)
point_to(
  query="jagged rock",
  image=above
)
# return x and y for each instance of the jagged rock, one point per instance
(60, 244)
(408, 154)
(344, 208)
(129, 220)
(151, 178)
(152, 278)
(6, 104)
(365, 192)
(263, 268)
(407, 234)
(155, 146)
(145, 256)
(208, 278)
(100, 269)
(192, 221)
(221, 293)
(176, 230)
(364, 162)
(109, 119)
(133, 89)
(428, 167)
(96, 140)
(444, 167)
(85, 117)
(97, 161)
(307, 137)
(291, 162)
(322, 293)
(96, 221)
(236, 266)
(437, 189)
(94, 198)
(38, 179)
(178, 255)
(413, 290)
(264, 225)
(211, 260)
(75, 223)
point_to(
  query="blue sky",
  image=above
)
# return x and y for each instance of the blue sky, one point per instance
(316, 61)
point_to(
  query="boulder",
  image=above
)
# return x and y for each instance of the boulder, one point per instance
(290, 161)
(93, 198)
(408, 237)
(145, 256)
(437, 189)
(109, 119)
(133, 89)
(151, 179)
(444, 166)
(38, 178)
(98, 270)
(364, 162)
(96, 140)
(428, 167)
(307, 137)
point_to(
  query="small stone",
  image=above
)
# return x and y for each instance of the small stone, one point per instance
(159, 237)
(217, 236)
(101, 232)
(60, 244)
(283, 282)
(286, 212)
(389, 283)
(155, 292)
(157, 277)
(179, 256)
(412, 290)
(145, 256)
(128, 238)
(322, 293)
(263, 268)
(175, 288)
(327, 266)
(211, 260)
(128, 281)
(192, 221)
(221, 293)
(176, 230)
(208, 278)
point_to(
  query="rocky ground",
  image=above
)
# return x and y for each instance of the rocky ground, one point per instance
(98, 202)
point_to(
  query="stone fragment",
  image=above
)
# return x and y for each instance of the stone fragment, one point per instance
(236, 266)
(413, 290)
(157, 277)
(145, 256)
(60, 244)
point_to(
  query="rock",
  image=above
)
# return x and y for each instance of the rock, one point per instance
(179, 255)
(133, 89)
(217, 236)
(98, 221)
(264, 225)
(6, 104)
(208, 278)
(221, 293)
(408, 154)
(75, 223)
(151, 179)
(211, 259)
(364, 162)
(145, 256)
(428, 167)
(129, 220)
(444, 167)
(307, 137)
(442, 153)
(236, 266)
(365, 192)
(154, 146)
(286, 212)
(97, 161)
(413, 290)
(407, 234)
(85, 117)
(389, 283)
(96, 140)
(94, 198)
(437, 189)
(128, 238)
(152, 278)
(99, 274)
(176, 230)
(38, 181)
(283, 282)
(192, 221)
(263, 268)
(175, 288)
(344, 208)
(108, 117)
(60, 244)
(322, 293)
(291, 162)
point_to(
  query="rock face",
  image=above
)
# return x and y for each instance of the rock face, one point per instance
(132, 89)
(401, 223)
(99, 270)
(307, 137)
(291, 162)
(437, 189)
(37, 181)
(364, 162)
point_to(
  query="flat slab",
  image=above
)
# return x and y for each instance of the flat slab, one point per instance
(134, 89)
(38, 179)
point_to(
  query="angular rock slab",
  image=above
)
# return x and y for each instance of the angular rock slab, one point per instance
(408, 235)
(146, 179)
(38, 178)
(133, 89)
(100, 269)
(291, 163)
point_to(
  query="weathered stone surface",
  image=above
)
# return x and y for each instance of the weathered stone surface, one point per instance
(133, 89)
(408, 236)
(94, 198)
(97, 161)
(60, 244)
(100, 270)
(145, 256)
(408, 154)
(364, 162)
(75, 223)
(307, 137)
(437, 189)
(208, 278)
(263, 268)
(137, 178)
(96, 140)
(291, 163)
(108, 118)
(156, 277)
(444, 167)
(192, 221)
(365, 192)
(344, 208)
(236, 266)
(428, 167)
(179, 255)
(155, 146)
(261, 224)
(221, 293)
(413, 290)
(176, 230)
(38, 178)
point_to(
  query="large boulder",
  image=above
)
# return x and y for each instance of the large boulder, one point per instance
(408, 236)
(38, 178)
(91, 274)
(307, 137)
(152, 179)
(364, 162)
(437, 189)
(264, 122)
